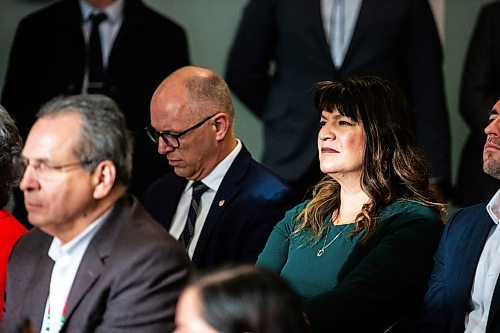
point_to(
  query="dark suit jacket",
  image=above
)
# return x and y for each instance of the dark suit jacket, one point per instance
(128, 280)
(479, 92)
(448, 296)
(48, 59)
(397, 40)
(236, 231)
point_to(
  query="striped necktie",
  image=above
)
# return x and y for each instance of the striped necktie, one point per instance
(187, 234)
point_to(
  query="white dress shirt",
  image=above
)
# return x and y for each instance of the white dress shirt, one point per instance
(108, 29)
(67, 258)
(487, 271)
(350, 12)
(213, 181)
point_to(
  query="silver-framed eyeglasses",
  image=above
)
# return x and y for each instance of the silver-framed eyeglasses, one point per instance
(44, 169)
(172, 139)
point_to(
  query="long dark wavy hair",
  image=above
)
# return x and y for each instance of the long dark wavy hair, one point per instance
(393, 164)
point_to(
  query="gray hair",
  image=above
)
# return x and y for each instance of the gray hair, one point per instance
(104, 134)
(10, 148)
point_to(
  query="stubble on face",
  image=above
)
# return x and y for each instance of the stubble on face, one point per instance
(491, 152)
(491, 163)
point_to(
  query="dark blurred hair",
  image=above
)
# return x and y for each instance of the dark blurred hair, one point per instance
(10, 148)
(104, 134)
(393, 164)
(249, 299)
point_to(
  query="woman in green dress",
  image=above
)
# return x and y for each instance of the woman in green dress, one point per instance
(360, 252)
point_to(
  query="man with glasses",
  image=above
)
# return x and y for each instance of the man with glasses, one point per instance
(95, 261)
(219, 203)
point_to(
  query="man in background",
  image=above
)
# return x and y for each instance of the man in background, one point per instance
(119, 48)
(283, 48)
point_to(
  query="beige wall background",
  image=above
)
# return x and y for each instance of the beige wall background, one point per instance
(211, 25)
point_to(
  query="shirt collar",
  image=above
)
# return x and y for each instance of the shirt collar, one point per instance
(114, 11)
(73, 247)
(214, 178)
(493, 207)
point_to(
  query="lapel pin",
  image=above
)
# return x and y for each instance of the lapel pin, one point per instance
(222, 202)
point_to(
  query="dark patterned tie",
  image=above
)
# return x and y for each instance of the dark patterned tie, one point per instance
(198, 189)
(94, 56)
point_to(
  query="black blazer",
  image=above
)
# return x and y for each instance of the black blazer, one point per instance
(47, 59)
(129, 278)
(449, 292)
(397, 40)
(236, 231)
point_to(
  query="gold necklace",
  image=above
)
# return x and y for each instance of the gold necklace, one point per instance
(325, 246)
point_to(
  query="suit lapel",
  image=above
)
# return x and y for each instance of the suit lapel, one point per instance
(89, 271)
(94, 259)
(132, 18)
(39, 289)
(367, 9)
(228, 189)
(473, 242)
(177, 187)
(318, 31)
(74, 45)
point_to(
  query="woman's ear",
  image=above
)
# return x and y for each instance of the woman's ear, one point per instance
(104, 178)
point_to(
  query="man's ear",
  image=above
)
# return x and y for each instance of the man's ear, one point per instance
(104, 178)
(221, 123)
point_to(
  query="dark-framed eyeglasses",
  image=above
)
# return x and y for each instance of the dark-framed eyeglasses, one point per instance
(172, 139)
(43, 169)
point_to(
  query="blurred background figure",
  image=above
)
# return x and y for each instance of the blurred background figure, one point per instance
(361, 251)
(240, 299)
(119, 48)
(283, 48)
(480, 90)
(10, 228)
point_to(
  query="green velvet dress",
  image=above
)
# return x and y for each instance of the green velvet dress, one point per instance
(354, 287)
(296, 258)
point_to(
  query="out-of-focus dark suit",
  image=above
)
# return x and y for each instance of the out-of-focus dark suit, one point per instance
(128, 281)
(397, 40)
(48, 59)
(448, 298)
(480, 90)
(247, 205)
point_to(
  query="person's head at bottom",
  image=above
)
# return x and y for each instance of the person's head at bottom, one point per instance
(240, 299)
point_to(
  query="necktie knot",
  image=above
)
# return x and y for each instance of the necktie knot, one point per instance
(198, 189)
(97, 18)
